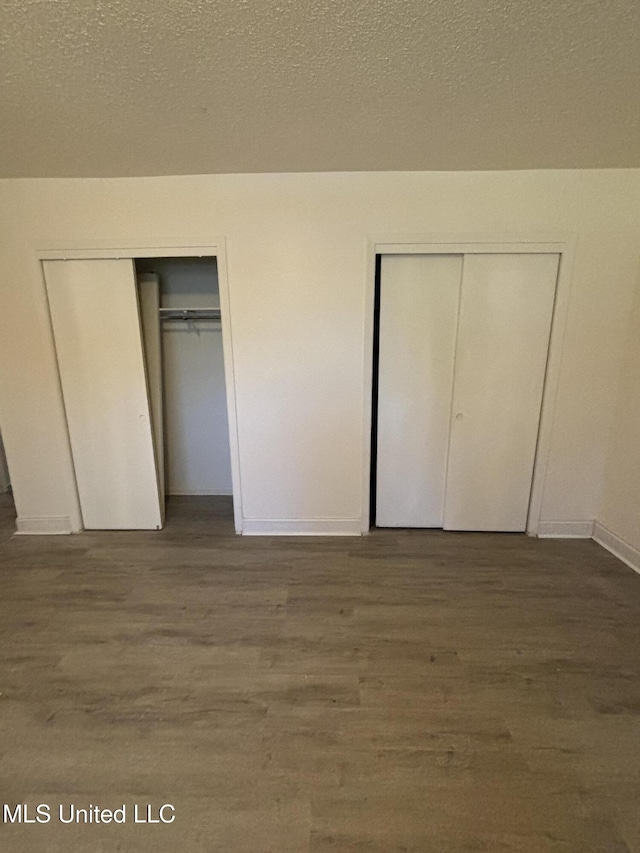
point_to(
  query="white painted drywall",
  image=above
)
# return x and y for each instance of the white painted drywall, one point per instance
(297, 270)
(620, 510)
(196, 429)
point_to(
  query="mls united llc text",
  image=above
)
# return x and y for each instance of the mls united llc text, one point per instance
(44, 813)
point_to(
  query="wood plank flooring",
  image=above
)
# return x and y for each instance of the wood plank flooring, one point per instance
(411, 691)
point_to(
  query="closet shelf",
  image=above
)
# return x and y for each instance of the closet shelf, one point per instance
(190, 314)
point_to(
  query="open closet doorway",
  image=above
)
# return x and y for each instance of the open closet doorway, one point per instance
(7, 507)
(146, 380)
(182, 331)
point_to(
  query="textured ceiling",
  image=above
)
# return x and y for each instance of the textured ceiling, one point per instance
(150, 87)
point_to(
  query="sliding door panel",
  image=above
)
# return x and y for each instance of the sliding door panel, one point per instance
(418, 312)
(506, 308)
(149, 296)
(96, 324)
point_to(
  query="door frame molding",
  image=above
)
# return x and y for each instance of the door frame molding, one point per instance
(460, 244)
(217, 249)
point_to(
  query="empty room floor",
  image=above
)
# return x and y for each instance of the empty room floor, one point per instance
(406, 691)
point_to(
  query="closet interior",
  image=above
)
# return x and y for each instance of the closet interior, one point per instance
(179, 301)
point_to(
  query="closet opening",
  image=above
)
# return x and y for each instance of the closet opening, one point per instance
(7, 506)
(179, 300)
(460, 347)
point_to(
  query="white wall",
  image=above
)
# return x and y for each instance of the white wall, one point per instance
(196, 432)
(297, 269)
(620, 510)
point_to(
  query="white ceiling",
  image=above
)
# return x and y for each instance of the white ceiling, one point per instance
(150, 87)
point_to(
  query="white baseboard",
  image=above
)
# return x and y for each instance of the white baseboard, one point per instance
(47, 525)
(302, 527)
(619, 547)
(565, 529)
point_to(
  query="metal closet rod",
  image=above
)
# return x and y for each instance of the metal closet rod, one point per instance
(190, 314)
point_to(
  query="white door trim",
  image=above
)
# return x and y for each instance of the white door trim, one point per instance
(215, 249)
(561, 244)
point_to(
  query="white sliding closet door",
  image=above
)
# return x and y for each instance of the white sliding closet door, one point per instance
(149, 293)
(96, 324)
(418, 314)
(503, 339)
(462, 358)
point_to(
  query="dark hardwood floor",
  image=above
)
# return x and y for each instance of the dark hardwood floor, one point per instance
(404, 691)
